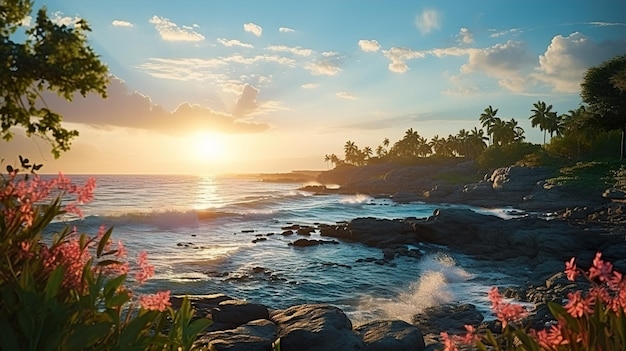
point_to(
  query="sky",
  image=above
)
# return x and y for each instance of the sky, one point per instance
(233, 86)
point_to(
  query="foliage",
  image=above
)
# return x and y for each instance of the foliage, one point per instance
(501, 156)
(592, 145)
(71, 293)
(593, 177)
(53, 57)
(595, 320)
(606, 98)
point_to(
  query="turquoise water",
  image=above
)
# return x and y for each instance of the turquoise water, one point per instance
(199, 232)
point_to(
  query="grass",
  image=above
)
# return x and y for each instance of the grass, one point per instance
(591, 176)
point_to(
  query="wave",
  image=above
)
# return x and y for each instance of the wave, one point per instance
(436, 286)
(162, 219)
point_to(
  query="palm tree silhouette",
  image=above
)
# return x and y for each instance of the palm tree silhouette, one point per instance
(542, 114)
(487, 119)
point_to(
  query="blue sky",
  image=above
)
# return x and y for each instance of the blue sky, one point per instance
(247, 86)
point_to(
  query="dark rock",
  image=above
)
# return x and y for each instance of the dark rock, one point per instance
(393, 335)
(450, 318)
(256, 335)
(315, 327)
(233, 313)
(287, 233)
(258, 240)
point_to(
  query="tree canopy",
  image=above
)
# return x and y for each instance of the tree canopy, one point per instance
(53, 57)
(603, 91)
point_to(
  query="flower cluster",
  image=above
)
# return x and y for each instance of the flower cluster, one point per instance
(592, 320)
(70, 292)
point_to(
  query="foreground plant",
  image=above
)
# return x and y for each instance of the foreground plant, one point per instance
(72, 293)
(593, 320)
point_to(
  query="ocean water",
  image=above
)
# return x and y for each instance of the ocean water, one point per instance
(199, 233)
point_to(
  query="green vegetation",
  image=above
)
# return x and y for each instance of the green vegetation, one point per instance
(54, 58)
(73, 293)
(583, 134)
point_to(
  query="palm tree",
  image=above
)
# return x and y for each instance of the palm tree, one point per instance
(351, 151)
(386, 142)
(437, 144)
(327, 160)
(487, 119)
(367, 152)
(541, 117)
(555, 125)
(477, 142)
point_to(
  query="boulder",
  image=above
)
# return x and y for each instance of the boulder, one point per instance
(315, 327)
(233, 313)
(256, 335)
(394, 335)
(450, 318)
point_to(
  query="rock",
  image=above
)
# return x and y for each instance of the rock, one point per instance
(315, 327)
(392, 335)
(450, 318)
(233, 313)
(307, 242)
(256, 335)
(614, 194)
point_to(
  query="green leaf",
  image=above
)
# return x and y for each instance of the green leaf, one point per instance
(136, 329)
(103, 242)
(112, 285)
(9, 340)
(87, 335)
(54, 283)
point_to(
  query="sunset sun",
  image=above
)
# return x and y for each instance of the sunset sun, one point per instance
(207, 147)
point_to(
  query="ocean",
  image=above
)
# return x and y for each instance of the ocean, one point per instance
(201, 234)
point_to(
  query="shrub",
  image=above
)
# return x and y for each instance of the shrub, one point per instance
(594, 320)
(72, 293)
(501, 156)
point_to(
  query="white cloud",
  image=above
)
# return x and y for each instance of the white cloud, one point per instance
(309, 86)
(233, 43)
(135, 110)
(170, 31)
(294, 50)
(369, 45)
(465, 36)
(329, 65)
(119, 23)
(246, 103)
(285, 30)
(606, 24)
(186, 69)
(59, 18)
(567, 58)
(427, 21)
(253, 28)
(505, 62)
(345, 95)
(512, 31)
(399, 56)
(26, 21)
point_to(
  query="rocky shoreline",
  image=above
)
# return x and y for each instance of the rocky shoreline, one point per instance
(575, 227)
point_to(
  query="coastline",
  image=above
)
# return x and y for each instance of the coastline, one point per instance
(554, 224)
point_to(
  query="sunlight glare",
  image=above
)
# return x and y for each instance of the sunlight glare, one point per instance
(208, 147)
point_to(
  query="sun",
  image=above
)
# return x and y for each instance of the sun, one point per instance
(207, 146)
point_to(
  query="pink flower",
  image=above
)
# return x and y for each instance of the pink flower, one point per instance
(552, 338)
(448, 343)
(571, 270)
(145, 270)
(577, 306)
(504, 311)
(470, 337)
(602, 270)
(155, 302)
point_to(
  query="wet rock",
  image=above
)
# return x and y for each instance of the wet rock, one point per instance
(230, 314)
(308, 242)
(257, 335)
(450, 318)
(315, 327)
(392, 335)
